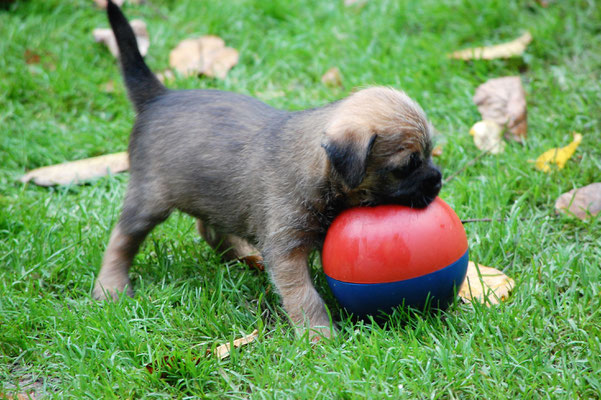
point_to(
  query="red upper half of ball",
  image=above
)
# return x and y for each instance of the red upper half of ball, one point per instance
(391, 243)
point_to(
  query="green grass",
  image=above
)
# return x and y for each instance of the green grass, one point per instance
(545, 342)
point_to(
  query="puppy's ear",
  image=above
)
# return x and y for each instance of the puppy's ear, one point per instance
(348, 152)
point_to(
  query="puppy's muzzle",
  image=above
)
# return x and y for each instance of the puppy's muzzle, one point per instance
(432, 182)
(420, 190)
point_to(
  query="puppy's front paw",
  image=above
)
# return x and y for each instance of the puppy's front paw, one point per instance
(310, 315)
(316, 333)
(104, 292)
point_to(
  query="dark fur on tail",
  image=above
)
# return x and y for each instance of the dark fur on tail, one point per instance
(142, 84)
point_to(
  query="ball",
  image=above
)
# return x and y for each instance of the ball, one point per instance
(378, 258)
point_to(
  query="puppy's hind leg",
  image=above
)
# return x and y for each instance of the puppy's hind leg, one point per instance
(231, 247)
(135, 223)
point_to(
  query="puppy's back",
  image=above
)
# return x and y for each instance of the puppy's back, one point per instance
(197, 150)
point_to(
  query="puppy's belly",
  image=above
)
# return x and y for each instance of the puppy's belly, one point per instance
(225, 218)
(226, 205)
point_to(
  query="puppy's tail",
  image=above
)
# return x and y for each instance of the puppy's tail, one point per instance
(142, 85)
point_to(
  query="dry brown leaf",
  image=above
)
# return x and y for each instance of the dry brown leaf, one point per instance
(39, 58)
(224, 350)
(106, 36)
(76, 172)
(437, 151)
(582, 202)
(108, 87)
(494, 286)
(20, 396)
(332, 77)
(488, 135)
(189, 57)
(218, 63)
(31, 57)
(505, 50)
(503, 100)
(204, 55)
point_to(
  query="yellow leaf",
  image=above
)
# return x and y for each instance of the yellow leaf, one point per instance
(505, 50)
(485, 285)
(558, 156)
(488, 135)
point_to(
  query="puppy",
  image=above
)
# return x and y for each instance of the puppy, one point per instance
(259, 179)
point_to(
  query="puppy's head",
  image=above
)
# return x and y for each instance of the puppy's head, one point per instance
(378, 142)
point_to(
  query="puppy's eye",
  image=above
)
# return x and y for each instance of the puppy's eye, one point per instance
(414, 163)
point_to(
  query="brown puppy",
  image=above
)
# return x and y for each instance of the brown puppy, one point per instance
(262, 178)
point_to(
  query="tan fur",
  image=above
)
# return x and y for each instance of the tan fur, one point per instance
(293, 199)
(389, 113)
(259, 178)
(113, 278)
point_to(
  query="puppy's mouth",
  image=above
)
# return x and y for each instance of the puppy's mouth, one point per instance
(416, 200)
(417, 193)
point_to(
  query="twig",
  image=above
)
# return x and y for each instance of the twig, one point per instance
(469, 220)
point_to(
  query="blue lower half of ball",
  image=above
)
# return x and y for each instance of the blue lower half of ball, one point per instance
(436, 289)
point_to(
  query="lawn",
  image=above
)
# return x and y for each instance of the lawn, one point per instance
(62, 98)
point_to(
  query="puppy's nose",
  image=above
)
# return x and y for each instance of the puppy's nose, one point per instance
(433, 181)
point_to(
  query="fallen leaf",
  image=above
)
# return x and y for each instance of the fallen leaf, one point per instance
(558, 156)
(103, 3)
(218, 63)
(437, 151)
(165, 76)
(582, 202)
(204, 55)
(488, 136)
(354, 2)
(332, 77)
(106, 36)
(485, 285)
(19, 396)
(76, 172)
(186, 58)
(505, 50)
(503, 100)
(221, 352)
(108, 87)
(31, 57)
(224, 350)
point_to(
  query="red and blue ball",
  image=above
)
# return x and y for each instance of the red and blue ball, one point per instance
(378, 258)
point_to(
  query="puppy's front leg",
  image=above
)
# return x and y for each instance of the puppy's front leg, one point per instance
(290, 274)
